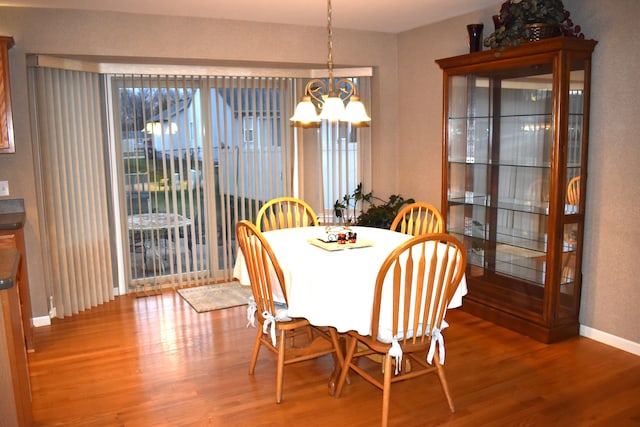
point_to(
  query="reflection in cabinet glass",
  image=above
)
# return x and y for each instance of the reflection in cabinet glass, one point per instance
(515, 138)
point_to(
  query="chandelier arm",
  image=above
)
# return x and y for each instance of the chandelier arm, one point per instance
(315, 89)
(345, 88)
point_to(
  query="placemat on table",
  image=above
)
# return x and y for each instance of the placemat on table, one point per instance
(335, 246)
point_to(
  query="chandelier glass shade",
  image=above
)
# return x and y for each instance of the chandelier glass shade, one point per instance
(328, 96)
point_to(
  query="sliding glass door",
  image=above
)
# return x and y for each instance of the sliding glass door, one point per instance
(195, 155)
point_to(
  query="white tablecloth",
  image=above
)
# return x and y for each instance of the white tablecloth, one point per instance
(332, 288)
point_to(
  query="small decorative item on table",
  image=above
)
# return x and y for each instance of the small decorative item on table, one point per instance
(334, 232)
(335, 245)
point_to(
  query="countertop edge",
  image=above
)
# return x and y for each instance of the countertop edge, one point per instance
(12, 221)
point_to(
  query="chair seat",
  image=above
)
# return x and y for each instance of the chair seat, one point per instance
(387, 336)
(384, 346)
(381, 345)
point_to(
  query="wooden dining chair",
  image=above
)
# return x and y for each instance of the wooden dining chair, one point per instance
(277, 331)
(573, 191)
(418, 218)
(285, 212)
(573, 199)
(571, 231)
(431, 266)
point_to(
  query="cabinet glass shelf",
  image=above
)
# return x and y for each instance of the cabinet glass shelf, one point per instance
(509, 205)
(466, 118)
(508, 263)
(462, 162)
(522, 163)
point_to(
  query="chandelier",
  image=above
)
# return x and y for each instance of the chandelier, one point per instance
(328, 96)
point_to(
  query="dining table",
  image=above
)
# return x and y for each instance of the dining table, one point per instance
(152, 227)
(331, 283)
(156, 221)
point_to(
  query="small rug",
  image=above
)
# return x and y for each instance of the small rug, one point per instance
(215, 297)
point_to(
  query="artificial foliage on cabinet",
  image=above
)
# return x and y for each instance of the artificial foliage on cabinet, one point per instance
(515, 126)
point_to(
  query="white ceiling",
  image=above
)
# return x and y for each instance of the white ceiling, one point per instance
(391, 16)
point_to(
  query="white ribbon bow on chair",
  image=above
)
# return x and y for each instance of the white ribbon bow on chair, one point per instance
(251, 313)
(269, 325)
(396, 352)
(437, 340)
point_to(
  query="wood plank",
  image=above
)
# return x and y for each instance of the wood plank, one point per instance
(155, 361)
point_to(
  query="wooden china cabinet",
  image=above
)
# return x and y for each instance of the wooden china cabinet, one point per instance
(515, 125)
(6, 118)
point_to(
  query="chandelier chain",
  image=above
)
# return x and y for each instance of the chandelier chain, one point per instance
(330, 45)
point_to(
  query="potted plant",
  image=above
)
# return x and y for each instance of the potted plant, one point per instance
(375, 215)
(528, 20)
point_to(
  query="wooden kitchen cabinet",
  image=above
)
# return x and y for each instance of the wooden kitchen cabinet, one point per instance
(15, 386)
(7, 144)
(12, 237)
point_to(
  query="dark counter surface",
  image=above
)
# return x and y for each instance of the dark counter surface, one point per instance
(9, 260)
(12, 216)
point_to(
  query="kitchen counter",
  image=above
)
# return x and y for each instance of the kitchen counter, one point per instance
(12, 216)
(12, 221)
(12, 224)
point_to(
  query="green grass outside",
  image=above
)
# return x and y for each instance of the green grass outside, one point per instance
(162, 199)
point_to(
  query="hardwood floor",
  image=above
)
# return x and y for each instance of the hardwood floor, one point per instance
(154, 361)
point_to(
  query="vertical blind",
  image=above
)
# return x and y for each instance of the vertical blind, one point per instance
(160, 177)
(335, 159)
(73, 192)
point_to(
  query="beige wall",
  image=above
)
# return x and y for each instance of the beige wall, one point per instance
(406, 132)
(611, 294)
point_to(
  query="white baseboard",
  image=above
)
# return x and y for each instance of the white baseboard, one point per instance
(41, 321)
(612, 340)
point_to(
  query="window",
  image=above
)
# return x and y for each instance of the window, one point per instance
(247, 130)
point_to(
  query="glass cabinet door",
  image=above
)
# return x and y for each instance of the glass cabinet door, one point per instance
(573, 212)
(500, 144)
